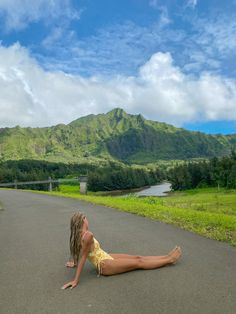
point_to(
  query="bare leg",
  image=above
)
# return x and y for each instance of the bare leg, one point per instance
(122, 265)
(149, 262)
(127, 256)
(115, 255)
(161, 257)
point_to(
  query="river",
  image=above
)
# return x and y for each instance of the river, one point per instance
(156, 190)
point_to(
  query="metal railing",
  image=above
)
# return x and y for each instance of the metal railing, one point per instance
(16, 183)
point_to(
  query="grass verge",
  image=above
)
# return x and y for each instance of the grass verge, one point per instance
(207, 212)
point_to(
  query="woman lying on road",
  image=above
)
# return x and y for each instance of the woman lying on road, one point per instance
(82, 242)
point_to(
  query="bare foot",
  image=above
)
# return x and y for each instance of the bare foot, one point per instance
(176, 255)
(172, 251)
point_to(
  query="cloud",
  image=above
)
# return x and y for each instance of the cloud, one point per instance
(211, 45)
(32, 96)
(18, 14)
(192, 3)
(201, 44)
(216, 35)
(164, 17)
(118, 48)
(57, 34)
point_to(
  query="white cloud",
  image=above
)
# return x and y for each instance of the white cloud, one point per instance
(217, 34)
(164, 17)
(212, 44)
(54, 36)
(120, 48)
(31, 96)
(192, 3)
(18, 14)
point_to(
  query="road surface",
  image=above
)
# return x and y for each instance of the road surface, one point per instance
(34, 235)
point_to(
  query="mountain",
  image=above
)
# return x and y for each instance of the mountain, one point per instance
(114, 135)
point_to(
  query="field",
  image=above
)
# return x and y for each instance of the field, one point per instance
(209, 212)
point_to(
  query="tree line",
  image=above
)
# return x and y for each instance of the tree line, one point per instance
(219, 172)
(37, 170)
(113, 176)
(126, 177)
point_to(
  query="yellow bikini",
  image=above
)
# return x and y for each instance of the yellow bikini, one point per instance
(97, 255)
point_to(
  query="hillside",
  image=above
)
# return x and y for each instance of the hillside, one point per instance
(115, 135)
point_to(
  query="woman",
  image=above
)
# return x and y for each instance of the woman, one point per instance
(82, 242)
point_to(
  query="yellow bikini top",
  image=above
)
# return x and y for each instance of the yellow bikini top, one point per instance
(96, 247)
(97, 255)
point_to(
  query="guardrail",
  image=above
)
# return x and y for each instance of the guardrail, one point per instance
(49, 182)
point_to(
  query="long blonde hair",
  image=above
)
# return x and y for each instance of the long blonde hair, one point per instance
(76, 225)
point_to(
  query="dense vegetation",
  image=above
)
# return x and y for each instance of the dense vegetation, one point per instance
(112, 136)
(219, 172)
(34, 170)
(110, 177)
(117, 178)
(109, 147)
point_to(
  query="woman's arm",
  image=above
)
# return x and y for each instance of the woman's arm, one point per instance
(88, 240)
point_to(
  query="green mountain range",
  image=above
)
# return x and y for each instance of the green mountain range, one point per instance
(115, 135)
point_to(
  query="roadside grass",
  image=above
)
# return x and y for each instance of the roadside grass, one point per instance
(209, 200)
(207, 212)
(68, 189)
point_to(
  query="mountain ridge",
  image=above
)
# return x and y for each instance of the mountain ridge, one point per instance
(115, 135)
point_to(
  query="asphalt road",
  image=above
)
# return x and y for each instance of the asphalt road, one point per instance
(34, 235)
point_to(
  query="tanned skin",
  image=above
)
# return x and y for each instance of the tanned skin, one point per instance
(121, 262)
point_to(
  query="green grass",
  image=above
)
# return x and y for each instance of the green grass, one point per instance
(68, 189)
(208, 212)
(208, 200)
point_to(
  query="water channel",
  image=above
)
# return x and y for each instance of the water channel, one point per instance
(160, 189)
(156, 190)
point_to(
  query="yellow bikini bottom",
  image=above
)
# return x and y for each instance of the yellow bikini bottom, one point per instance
(96, 258)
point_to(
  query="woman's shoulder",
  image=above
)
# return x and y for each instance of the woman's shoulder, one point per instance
(88, 236)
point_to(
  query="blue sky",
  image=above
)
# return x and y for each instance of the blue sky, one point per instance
(172, 61)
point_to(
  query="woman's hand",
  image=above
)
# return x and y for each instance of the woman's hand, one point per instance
(71, 284)
(71, 264)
